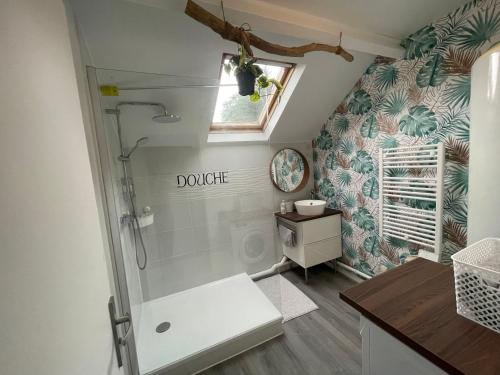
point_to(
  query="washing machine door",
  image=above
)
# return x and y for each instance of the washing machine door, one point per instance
(254, 248)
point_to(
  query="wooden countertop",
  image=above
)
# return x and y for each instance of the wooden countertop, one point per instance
(416, 304)
(296, 218)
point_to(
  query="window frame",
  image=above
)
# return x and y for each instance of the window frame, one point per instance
(270, 107)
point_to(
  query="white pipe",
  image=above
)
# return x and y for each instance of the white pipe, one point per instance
(353, 270)
(271, 271)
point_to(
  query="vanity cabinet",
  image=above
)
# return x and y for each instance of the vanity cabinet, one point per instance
(318, 238)
(410, 325)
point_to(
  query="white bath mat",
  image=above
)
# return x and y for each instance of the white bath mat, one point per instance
(287, 298)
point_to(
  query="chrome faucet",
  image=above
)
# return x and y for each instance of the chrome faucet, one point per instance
(312, 194)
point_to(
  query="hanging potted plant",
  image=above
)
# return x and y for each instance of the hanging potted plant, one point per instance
(249, 75)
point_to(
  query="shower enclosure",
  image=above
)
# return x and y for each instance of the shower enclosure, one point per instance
(189, 223)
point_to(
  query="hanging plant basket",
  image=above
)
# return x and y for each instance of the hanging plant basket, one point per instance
(246, 82)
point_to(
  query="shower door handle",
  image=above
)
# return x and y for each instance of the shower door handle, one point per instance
(115, 322)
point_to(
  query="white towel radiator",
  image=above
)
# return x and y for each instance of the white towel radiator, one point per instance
(412, 173)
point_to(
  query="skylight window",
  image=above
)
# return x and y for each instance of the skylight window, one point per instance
(236, 113)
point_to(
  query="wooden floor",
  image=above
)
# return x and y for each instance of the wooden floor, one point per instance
(325, 341)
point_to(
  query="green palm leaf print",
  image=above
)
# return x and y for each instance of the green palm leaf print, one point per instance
(363, 219)
(362, 162)
(350, 251)
(372, 245)
(346, 229)
(326, 188)
(457, 179)
(324, 140)
(346, 146)
(395, 103)
(369, 129)
(360, 103)
(420, 122)
(370, 188)
(432, 73)
(388, 142)
(330, 161)
(480, 29)
(344, 178)
(386, 77)
(458, 92)
(349, 200)
(420, 43)
(341, 124)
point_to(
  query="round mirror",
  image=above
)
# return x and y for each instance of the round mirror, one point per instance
(289, 170)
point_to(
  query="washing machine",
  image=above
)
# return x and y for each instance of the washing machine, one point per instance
(253, 245)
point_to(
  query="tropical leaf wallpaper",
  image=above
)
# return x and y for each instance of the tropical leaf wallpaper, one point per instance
(422, 98)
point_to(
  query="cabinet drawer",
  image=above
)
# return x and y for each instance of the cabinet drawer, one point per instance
(322, 251)
(321, 229)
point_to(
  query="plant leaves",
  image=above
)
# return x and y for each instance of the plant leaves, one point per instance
(372, 245)
(420, 122)
(458, 92)
(364, 267)
(371, 68)
(324, 140)
(326, 188)
(370, 188)
(346, 229)
(420, 42)
(394, 103)
(349, 200)
(480, 29)
(362, 162)
(346, 146)
(341, 124)
(432, 73)
(363, 219)
(330, 161)
(369, 129)
(386, 77)
(344, 178)
(459, 61)
(457, 179)
(360, 102)
(389, 142)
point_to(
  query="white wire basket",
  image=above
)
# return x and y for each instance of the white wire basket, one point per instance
(477, 282)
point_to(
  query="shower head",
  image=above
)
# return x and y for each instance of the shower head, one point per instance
(166, 118)
(138, 143)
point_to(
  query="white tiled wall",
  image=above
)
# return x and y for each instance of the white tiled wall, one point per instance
(202, 234)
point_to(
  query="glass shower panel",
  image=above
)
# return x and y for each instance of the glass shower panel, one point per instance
(212, 210)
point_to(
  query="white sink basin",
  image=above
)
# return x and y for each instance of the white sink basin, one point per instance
(310, 207)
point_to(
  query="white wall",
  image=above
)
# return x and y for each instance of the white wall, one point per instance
(200, 233)
(54, 283)
(128, 35)
(484, 173)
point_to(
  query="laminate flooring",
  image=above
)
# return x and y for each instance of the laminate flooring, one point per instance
(325, 341)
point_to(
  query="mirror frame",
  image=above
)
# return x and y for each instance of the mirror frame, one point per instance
(305, 178)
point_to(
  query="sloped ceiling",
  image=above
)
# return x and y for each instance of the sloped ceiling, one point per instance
(154, 36)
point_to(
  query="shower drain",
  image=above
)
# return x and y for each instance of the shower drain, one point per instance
(162, 327)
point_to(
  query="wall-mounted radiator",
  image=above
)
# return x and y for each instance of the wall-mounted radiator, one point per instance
(411, 196)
